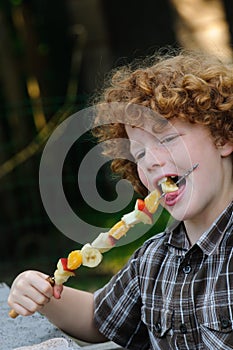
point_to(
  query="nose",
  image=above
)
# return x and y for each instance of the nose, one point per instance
(154, 159)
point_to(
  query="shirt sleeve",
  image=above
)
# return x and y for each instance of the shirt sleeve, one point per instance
(118, 308)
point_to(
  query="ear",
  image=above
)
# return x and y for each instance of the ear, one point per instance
(226, 149)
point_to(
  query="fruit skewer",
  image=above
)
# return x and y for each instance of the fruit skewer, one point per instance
(91, 253)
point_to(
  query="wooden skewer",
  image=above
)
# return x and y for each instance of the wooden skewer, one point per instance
(14, 314)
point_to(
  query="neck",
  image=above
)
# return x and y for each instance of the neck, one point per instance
(196, 227)
(195, 230)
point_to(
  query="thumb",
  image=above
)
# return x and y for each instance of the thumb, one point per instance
(57, 290)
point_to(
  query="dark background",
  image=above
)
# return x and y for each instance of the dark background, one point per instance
(64, 47)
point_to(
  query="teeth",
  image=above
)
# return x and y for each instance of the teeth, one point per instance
(166, 179)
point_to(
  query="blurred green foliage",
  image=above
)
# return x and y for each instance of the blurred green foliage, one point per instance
(41, 83)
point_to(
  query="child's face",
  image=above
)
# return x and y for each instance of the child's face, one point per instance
(171, 153)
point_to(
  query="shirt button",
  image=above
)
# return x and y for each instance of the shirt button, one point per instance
(183, 328)
(158, 327)
(225, 322)
(187, 269)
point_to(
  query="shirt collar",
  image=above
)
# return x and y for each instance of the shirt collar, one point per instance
(209, 240)
(177, 238)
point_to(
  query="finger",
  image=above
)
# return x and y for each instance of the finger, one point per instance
(24, 307)
(20, 311)
(43, 284)
(57, 290)
(32, 280)
(39, 297)
(39, 282)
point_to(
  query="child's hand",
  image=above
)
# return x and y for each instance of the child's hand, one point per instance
(30, 292)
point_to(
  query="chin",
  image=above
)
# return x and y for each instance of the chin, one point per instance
(180, 214)
(178, 217)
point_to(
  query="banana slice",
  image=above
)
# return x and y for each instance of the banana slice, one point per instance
(91, 256)
(144, 217)
(130, 219)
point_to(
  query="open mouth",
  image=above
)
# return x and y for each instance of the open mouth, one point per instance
(173, 186)
(171, 183)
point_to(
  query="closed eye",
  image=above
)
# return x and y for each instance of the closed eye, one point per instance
(139, 155)
(169, 138)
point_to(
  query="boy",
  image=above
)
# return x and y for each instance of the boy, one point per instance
(176, 291)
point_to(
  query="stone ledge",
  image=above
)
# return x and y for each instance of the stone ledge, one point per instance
(35, 331)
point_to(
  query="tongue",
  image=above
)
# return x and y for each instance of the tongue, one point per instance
(170, 198)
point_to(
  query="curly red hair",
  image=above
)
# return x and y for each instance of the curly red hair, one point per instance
(190, 86)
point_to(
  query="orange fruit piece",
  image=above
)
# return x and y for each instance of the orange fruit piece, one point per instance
(74, 259)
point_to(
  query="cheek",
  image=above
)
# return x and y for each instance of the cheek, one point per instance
(143, 177)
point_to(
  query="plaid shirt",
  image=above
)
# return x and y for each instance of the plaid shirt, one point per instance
(171, 295)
